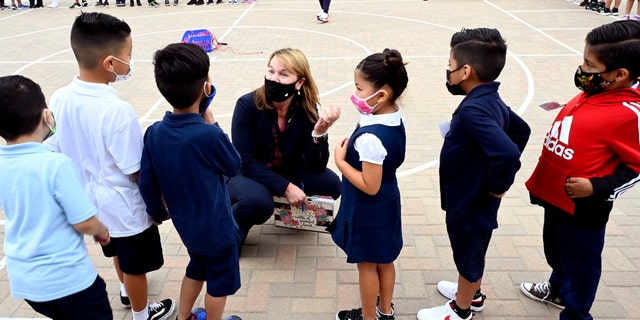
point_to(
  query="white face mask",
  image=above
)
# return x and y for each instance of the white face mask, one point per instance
(122, 77)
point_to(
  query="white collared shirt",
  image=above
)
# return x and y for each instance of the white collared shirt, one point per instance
(369, 146)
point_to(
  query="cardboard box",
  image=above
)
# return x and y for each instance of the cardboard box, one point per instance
(316, 216)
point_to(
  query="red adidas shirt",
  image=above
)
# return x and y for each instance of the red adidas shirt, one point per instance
(589, 138)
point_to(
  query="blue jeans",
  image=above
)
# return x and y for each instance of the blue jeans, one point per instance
(574, 254)
(324, 5)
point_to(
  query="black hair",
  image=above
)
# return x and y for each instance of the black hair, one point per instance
(613, 44)
(181, 69)
(483, 49)
(95, 35)
(623, 54)
(21, 105)
(385, 67)
(614, 32)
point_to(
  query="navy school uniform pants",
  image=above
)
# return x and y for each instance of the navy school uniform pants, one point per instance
(574, 254)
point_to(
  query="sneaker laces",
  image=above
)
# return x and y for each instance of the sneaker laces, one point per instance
(543, 288)
(154, 305)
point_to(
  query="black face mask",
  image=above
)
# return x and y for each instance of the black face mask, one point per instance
(278, 92)
(454, 89)
(590, 82)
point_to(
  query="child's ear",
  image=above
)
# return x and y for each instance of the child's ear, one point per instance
(384, 95)
(47, 117)
(107, 63)
(466, 72)
(622, 75)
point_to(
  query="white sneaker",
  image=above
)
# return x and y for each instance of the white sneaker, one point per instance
(319, 13)
(450, 289)
(441, 313)
(323, 17)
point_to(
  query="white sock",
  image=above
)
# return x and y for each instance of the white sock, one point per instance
(142, 314)
(123, 290)
(54, 3)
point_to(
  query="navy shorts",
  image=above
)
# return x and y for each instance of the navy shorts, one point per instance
(90, 303)
(138, 254)
(469, 250)
(220, 269)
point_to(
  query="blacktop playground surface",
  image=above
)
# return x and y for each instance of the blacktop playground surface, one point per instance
(290, 274)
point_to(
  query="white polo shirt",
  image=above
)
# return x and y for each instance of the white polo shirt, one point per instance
(100, 132)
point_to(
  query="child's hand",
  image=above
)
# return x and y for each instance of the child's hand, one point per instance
(208, 116)
(578, 187)
(102, 239)
(341, 150)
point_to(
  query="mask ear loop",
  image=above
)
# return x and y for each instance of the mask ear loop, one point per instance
(213, 90)
(52, 129)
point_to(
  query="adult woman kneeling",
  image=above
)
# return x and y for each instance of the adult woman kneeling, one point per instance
(282, 139)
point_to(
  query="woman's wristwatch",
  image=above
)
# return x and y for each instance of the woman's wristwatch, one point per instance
(319, 138)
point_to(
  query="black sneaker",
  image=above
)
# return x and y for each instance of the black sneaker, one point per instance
(614, 11)
(75, 6)
(584, 3)
(85, 3)
(153, 4)
(167, 3)
(382, 316)
(161, 310)
(541, 291)
(125, 302)
(353, 314)
(599, 7)
(192, 2)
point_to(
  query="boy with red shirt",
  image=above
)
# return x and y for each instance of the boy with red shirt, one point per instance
(590, 156)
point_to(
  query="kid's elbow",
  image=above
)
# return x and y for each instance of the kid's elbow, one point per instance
(372, 190)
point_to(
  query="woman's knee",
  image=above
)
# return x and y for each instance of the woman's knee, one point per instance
(253, 208)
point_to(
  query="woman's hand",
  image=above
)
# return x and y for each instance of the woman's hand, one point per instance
(295, 196)
(327, 117)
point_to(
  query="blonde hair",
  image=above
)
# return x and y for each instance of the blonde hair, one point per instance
(295, 61)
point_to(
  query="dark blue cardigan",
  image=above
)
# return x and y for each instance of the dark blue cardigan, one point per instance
(252, 135)
(480, 154)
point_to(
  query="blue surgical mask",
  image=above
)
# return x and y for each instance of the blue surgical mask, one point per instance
(206, 101)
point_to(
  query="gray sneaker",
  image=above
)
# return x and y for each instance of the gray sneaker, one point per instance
(541, 291)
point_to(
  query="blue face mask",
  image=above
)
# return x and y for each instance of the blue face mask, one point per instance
(205, 102)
